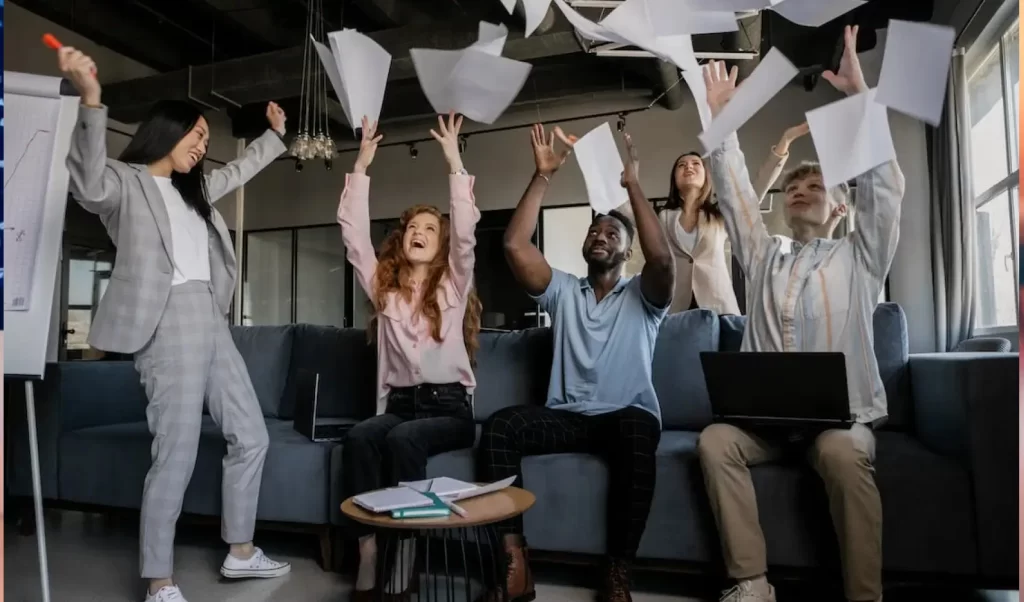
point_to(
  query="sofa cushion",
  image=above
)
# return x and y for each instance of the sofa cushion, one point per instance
(892, 350)
(267, 353)
(676, 372)
(730, 332)
(513, 368)
(347, 365)
(295, 476)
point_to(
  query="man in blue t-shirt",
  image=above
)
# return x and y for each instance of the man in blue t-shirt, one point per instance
(600, 399)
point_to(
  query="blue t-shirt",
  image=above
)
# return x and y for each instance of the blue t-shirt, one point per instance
(603, 351)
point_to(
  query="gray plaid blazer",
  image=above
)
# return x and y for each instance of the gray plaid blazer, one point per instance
(128, 202)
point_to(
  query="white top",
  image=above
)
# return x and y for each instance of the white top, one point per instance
(687, 240)
(190, 236)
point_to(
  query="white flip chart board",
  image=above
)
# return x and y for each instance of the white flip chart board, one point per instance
(36, 144)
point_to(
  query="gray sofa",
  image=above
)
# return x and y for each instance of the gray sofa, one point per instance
(946, 467)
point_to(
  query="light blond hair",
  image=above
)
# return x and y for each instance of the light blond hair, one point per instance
(840, 194)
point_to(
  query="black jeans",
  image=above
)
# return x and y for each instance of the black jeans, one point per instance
(626, 439)
(419, 422)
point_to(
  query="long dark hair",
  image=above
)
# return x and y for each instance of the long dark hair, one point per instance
(675, 199)
(166, 124)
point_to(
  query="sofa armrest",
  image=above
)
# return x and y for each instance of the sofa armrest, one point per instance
(966, 406)
(99, 393)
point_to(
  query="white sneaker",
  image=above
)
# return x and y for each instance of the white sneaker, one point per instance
(258, 565)
(167, 593)
(745, 591)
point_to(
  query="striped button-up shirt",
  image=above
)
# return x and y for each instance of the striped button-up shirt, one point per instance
(819, 296)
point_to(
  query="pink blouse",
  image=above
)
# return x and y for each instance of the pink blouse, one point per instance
(406, 353)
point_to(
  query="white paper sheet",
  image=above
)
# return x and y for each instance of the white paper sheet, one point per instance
(485, 85)
(675, 17)
(695, 81)
(586, 28)
(602, 168)
(730, 5)
(851, 136)
(770, 76)
(474, 81)
(358, 70)
(491, 38)
(814, 13)
(631, 24)
(535, 11)
(915, 69)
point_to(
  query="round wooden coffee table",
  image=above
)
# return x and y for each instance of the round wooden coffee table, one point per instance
(450, 536)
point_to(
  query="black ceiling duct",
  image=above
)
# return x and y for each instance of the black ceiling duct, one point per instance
(815, 49)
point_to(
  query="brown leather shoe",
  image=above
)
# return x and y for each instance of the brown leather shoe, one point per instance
(518, 579)
(616, 582)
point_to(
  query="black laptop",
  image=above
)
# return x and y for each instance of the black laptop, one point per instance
(801, 390)
(307, 421)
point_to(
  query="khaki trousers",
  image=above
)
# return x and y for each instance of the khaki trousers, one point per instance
(842, 457)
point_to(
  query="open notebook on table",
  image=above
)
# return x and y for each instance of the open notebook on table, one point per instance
(454, 489)
(408, 495)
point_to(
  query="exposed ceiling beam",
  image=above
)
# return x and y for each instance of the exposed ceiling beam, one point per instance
(108, 26)
(393, 13)
(260, 19)
(278, 75)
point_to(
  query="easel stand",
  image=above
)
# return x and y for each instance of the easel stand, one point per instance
(37, 486)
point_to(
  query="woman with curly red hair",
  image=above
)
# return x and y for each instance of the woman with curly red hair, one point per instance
(425, 323)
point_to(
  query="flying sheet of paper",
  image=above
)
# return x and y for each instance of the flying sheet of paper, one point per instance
(695, 80)
(358, 61)
(476, 81)
(675, 17)
(730, 5)
(602, 168)
(491, 38)
(851, 137)
(814, 13)
(770, 76)
(535, 10)
(631, 23)
(915, 68)
(586, 28)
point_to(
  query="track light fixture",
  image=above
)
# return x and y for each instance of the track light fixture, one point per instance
(413, 151)
(621, 125)
(463, 140)
(298, 165)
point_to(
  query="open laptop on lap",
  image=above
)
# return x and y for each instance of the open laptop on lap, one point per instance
(784, 392)
(307, 421)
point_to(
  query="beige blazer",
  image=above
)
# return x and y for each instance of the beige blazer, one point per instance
(707, 273)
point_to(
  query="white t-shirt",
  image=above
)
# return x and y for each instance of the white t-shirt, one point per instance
(687, 240)
(190, 236)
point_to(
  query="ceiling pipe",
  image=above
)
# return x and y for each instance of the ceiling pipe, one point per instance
(671, 91)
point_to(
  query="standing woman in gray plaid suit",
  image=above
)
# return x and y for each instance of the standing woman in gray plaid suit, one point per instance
(167, 303)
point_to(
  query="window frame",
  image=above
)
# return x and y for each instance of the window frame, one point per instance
(1002, 188)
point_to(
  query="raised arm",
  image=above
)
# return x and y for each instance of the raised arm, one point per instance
(260, 153)
(93, 182)
(528, 265)
(658, 277)
(880, 190)
(775, 162)
(736, 197)
(464, 214)
(354, 212)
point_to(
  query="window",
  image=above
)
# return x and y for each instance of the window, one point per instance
(267, 290)
(321, 275)
(994, 109)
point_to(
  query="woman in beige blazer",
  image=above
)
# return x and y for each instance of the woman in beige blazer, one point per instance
(696, 233)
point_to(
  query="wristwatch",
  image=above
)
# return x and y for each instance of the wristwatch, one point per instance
(461, 172)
